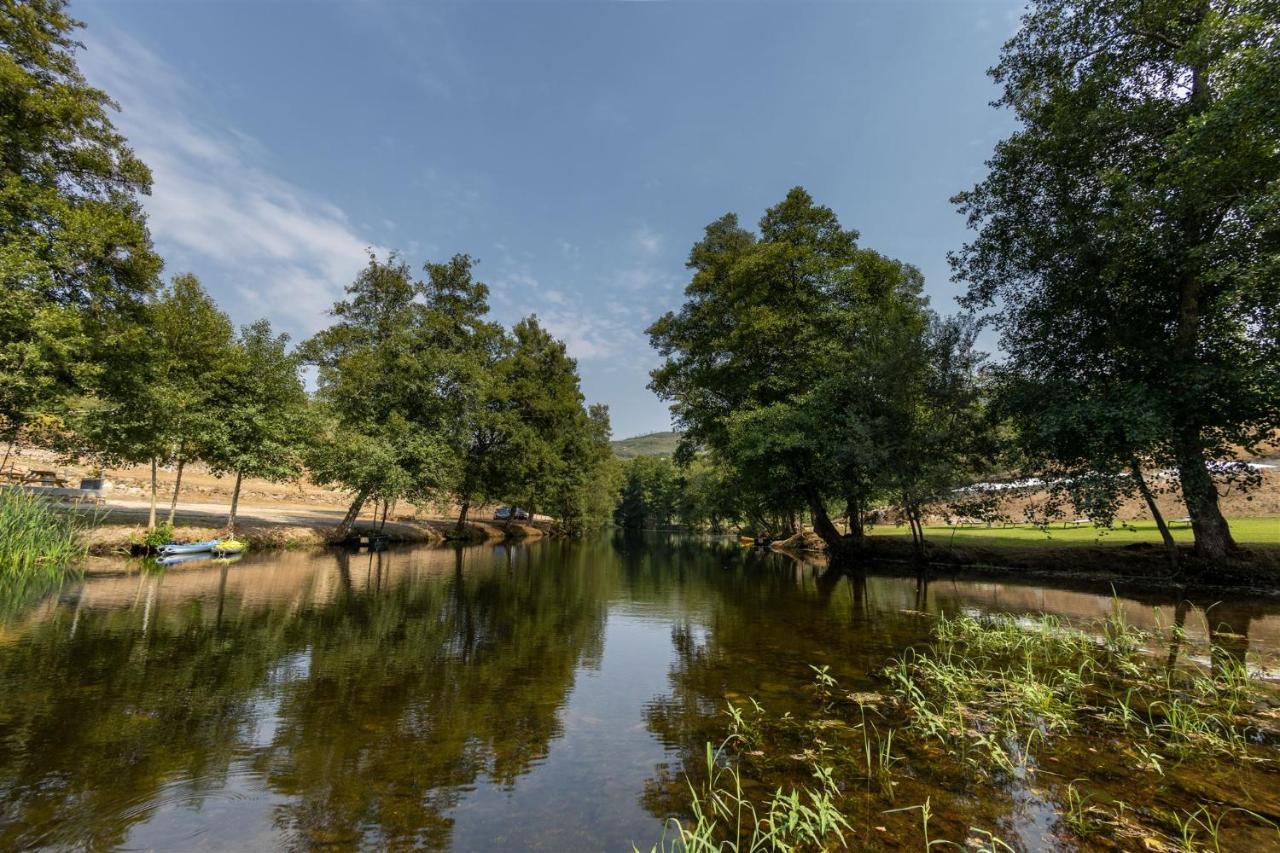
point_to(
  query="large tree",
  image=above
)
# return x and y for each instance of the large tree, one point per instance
(74, 247)
(394, 382)
(783, 360)
(263, 410)
(1129, 231)
(558, 441)
(193, 346)
(155, 398)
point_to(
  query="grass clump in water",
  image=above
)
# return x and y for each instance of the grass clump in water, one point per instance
(726, 819)
(992, 692)
(995, 688)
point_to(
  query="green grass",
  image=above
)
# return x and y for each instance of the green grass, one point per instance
(1247, 531)
(36, 540)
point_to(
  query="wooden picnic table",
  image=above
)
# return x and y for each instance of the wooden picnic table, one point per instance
(45, 477)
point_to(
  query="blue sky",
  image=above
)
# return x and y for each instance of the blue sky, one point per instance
(577, 149)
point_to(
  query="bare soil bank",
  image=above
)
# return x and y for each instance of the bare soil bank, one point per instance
(117, 526)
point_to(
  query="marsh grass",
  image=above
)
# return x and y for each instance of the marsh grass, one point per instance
(993, 690)
(727, 820)
(37, 542)
(992, 693)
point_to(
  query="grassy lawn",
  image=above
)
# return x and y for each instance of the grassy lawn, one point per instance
(1247, 531)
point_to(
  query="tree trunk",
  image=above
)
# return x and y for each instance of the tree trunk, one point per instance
(177, 485)
(822, 525)
(853, 511)
(386, 508)
(462, 514)
(1212, 534)
(235, 502)
(343, 530)
(917, 528)
(1170, 547)
(151, 516)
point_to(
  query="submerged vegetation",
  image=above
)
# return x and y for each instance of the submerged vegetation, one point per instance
(995, 706)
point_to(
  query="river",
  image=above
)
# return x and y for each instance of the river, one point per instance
(541, 696)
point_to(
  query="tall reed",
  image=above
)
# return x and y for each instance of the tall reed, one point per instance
(37, 541)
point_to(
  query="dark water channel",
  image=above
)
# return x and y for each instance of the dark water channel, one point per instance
(549, 696)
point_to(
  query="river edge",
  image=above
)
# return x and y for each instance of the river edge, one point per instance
(117, 540)
(1128, 568)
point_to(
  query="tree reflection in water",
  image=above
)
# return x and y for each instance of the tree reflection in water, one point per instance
(380, 705)
(479, 698)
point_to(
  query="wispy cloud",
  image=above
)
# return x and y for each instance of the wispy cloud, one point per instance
(215, 206)
(590, 334)
(646, 241)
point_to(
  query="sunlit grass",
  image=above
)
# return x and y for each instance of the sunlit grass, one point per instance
(992, 690)
(1247, 531)
(36, 540)
(994, 694)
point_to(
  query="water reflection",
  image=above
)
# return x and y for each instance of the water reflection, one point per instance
(365, 695)
(553, 695)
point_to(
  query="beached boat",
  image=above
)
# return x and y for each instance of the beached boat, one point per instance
(175, 548)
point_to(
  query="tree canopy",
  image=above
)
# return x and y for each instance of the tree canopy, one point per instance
(74, 247)
(1126, 243)
(808, 364)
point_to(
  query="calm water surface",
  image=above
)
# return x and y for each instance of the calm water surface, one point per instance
(546, 696)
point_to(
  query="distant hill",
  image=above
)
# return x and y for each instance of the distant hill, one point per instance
(653, 444)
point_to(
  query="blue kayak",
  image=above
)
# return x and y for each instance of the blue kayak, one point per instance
(203, 556)
(175, 548)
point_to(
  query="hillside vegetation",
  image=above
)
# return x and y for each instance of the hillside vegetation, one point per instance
(651, 444)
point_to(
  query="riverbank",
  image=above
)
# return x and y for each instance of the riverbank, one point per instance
(115, 527)
(270, 515)
(1125, 559)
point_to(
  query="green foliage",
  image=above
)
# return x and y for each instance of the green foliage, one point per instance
(727, 818)
(994, 690)
(388, 369)
(814, 371)
(650, 494)
(262, 409)
(1132, 269)
(161, 534)
(74, 248)
(422, 397)
(564, 447)
(192, 351)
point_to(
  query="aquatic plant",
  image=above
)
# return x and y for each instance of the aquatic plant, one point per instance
(36, 539)
(992, 689)
(726, 820)
(994, 692)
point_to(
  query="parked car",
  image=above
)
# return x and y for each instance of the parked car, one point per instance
(509, 513)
